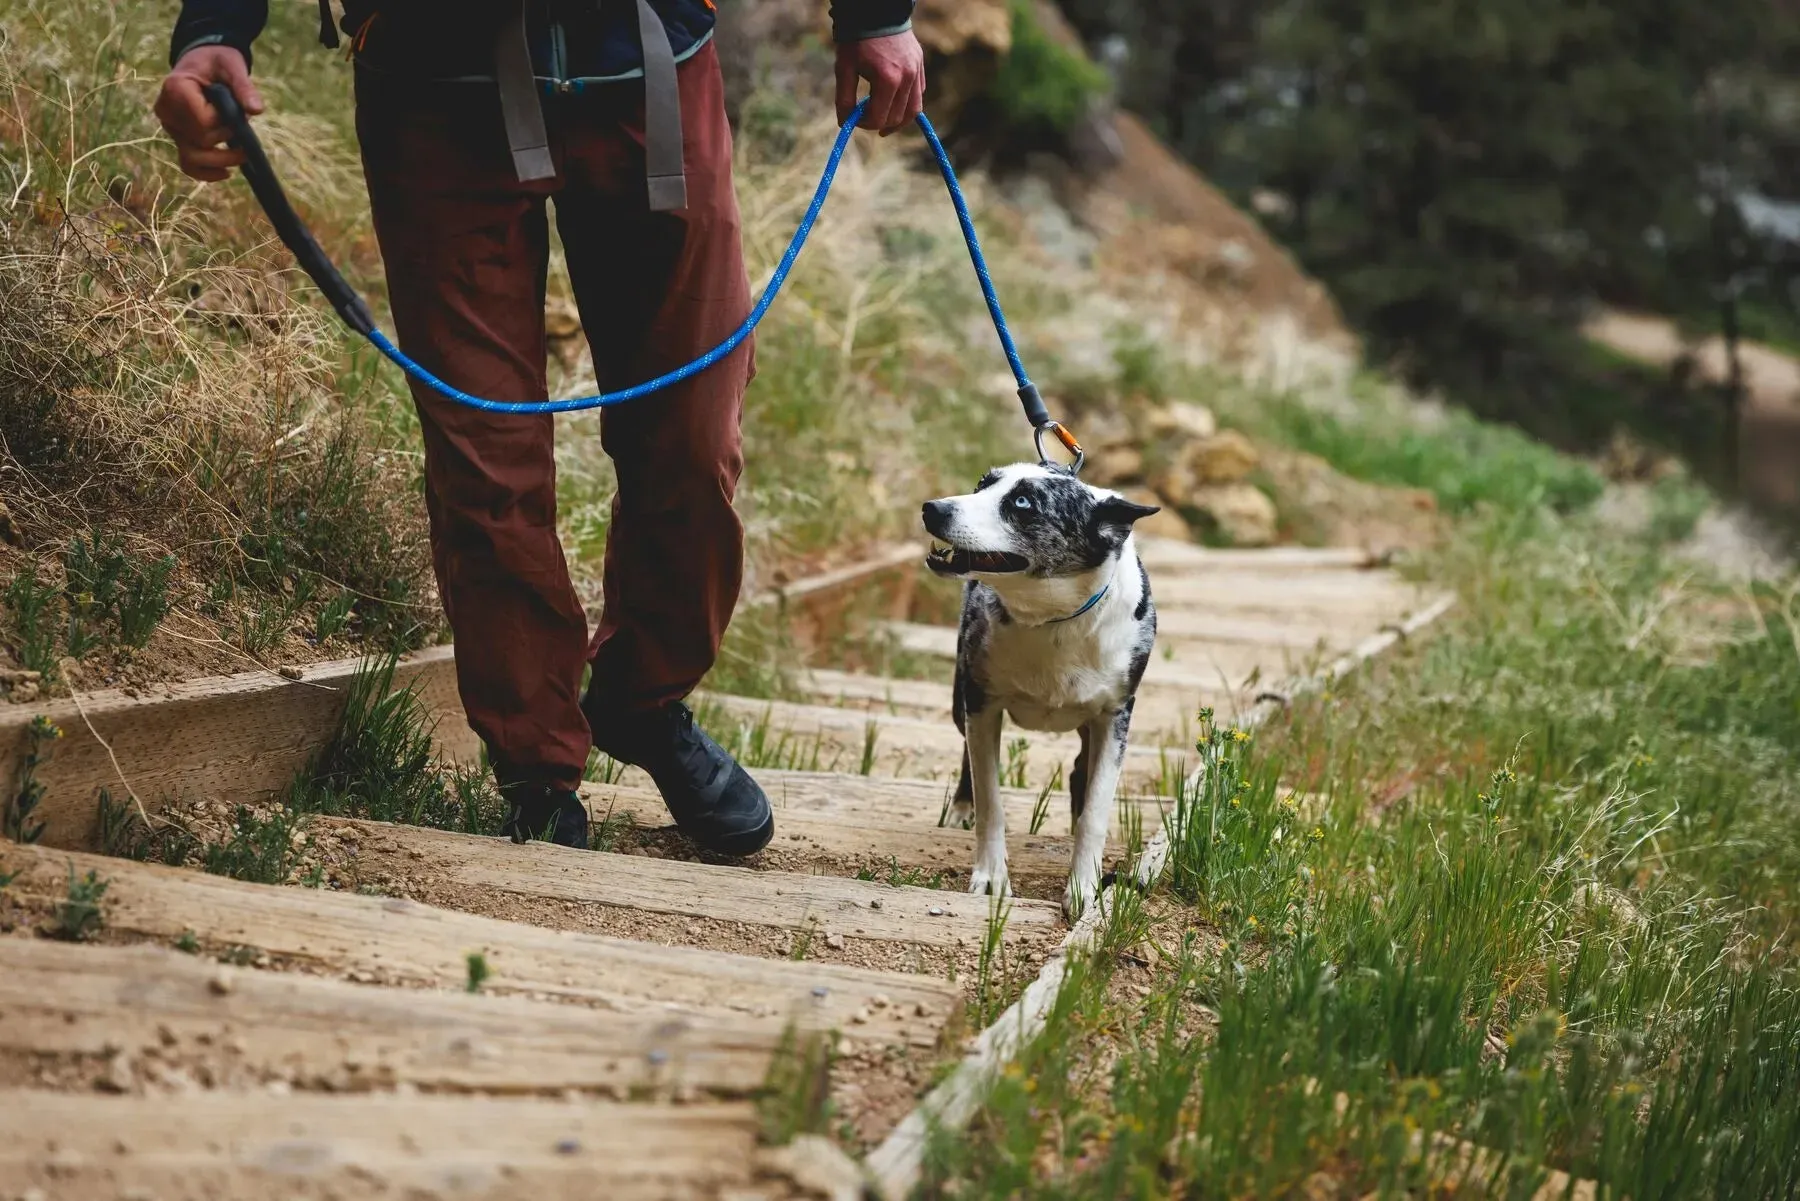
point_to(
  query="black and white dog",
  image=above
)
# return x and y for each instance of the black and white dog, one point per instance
(1057, 627)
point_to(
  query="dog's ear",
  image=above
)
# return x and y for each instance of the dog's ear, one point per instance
(1120, 513)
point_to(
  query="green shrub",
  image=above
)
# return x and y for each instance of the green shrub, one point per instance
(1041, 83)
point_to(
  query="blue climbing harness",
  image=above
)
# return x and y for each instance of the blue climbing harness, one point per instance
(350, 306)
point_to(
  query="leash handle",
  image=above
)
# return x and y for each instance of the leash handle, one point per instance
(288, 227)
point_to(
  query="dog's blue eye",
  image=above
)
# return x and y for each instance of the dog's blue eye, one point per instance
(1021, 502)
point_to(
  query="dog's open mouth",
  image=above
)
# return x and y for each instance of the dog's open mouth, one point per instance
(954, 560)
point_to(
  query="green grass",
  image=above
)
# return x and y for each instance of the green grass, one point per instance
(1464, 462)
(1546, 910)
(79, 916)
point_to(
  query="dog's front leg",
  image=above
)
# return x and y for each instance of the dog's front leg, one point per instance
(983, 742)
(1105, 738)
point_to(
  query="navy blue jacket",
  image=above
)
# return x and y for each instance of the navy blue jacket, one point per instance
(572, 41)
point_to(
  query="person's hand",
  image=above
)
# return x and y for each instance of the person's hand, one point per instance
(895, 69)
(199, 132)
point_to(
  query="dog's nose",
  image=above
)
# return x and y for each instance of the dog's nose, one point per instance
(936, 514)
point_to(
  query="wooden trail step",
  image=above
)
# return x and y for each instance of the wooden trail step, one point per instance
(871, 841)
(834, 905)
(403, 942)
(1170, 556)
(906, 802)
(206, 1146)
(1378, 592)
(230, 737)
(1159, 708)
(144, 1019)
(1191, 671)
(821, 737)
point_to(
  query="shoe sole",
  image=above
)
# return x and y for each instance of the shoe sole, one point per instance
(738, 845)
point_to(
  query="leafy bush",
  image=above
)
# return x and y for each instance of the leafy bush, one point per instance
(1043, 85)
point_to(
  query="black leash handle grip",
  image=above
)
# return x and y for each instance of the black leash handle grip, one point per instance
(293, 232)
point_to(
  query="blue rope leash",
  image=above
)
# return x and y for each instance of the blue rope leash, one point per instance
(350, 306)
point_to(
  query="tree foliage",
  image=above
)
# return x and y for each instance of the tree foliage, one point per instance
(1470, 177)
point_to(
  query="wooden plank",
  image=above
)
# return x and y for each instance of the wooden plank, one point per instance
(1169, 555)
(854, 908)
(403, 942)
(1272, 631)
(1159, 708)
(885, 558)
(232, 737)
(1278, 592)
(206, 1146)
(863, 840)
(891, 801)
(1186, 669)
(143, 1018)
(820, 737)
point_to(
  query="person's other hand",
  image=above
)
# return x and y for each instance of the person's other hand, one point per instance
(895, 69)
(199, 132)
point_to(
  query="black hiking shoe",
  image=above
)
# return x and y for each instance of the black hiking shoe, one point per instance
(712, 798)
(542, 813)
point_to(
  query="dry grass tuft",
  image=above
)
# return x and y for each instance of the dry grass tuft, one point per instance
(158, 381)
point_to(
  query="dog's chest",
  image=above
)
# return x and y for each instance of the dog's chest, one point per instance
(1057, 680)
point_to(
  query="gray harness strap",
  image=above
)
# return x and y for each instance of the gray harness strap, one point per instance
(523, 112)
(662, 115)
(519, 105)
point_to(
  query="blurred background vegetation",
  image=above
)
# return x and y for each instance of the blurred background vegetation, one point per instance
(1473, 181)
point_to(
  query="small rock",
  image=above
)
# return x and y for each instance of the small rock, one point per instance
(921, 1010)
(278, 1088)
(1181, 421)
(1224, 458)
(220, 984)
(934, 911)
(860, 1017)
(118, 1077)
(568, 1146)
(1241, 513)
(290, 673)
(874, 904)
(880, 1000)
(835, 941)
(561, 318)
(1110, 466)
(1320, 1186)
(23, 692)
(1164, 524)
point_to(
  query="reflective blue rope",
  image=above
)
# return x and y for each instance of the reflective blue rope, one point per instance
(688, 370)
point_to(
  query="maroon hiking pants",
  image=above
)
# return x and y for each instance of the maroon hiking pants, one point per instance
(466, 248)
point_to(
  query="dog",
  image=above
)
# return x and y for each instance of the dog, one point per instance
(1057, 627)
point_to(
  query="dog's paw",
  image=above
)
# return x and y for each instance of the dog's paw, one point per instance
(990, 879)
(1079, 895)
(961, 815)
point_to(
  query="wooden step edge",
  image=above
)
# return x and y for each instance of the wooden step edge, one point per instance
(542, 873)
(205, 1145)
(143, 1019)
(391, 940)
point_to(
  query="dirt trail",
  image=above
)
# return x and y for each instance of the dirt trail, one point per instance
(1771, 378)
